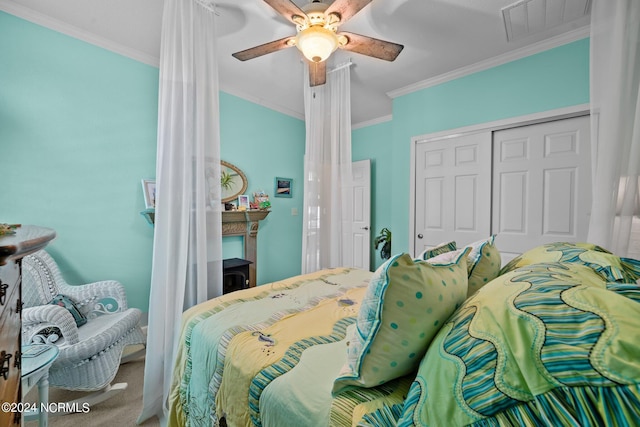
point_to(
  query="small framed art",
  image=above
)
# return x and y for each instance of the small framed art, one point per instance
(149, 192)
(243, 202)
(283, 187)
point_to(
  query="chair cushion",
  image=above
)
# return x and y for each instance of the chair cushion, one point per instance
(98, 334)
(66, 302)
(92, 363)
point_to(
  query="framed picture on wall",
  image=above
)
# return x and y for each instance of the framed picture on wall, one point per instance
(283, 187)
(149, 192)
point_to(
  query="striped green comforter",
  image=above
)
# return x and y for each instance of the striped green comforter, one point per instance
(548, 344)
(553, 342)
(249, 355)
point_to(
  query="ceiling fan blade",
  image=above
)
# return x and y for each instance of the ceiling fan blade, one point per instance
(371, 47)
(317, 73)
(263, 49)
(346, 8)
(286, 8)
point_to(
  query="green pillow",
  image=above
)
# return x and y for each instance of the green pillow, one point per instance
(608, 265)
(438, 249)
(548, 344)
(405, 305)
(66, 302)
(483, 262)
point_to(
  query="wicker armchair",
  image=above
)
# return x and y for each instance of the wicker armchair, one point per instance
(90, 354)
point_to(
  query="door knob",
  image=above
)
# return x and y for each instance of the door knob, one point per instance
(420, 236)
(366, 227)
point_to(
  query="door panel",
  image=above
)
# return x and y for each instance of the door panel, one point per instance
(357, 249)
(541, 185)
(513, 205)
(453, 190)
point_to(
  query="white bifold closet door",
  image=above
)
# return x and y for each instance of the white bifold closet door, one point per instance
(530, 185)
(541, 185)
(453, 190)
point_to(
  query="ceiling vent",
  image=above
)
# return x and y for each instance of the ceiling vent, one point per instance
(528, 17)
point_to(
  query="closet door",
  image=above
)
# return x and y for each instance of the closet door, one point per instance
(453, 190)
(541, 185)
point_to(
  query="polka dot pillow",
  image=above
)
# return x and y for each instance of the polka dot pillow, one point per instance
(406, 303)
(483, 262)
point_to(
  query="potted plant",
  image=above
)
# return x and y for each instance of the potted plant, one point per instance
(384, 239)
(226, 180)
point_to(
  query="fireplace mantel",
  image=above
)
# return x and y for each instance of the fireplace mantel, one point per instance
(236, 223)
(245, 223)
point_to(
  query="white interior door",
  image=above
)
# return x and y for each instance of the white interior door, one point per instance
(541, 185)
(453, 190)
(358, 236)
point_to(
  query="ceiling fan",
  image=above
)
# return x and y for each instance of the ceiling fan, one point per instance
(318, 37)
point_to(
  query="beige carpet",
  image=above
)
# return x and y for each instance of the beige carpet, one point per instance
(122, 409)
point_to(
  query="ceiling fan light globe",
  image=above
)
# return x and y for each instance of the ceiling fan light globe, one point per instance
(317, 43)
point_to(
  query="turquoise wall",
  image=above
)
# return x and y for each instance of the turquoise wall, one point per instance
(78, 132)
(375, 143)
(264, 144)
(545, 81)
(77, 135)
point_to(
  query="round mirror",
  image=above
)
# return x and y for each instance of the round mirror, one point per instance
(232, 181)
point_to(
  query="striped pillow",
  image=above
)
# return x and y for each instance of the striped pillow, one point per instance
(438, 249)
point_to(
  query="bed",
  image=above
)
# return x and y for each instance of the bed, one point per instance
(448, 338)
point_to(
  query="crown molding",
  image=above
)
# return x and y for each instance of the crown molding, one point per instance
(550, 43)
(78, 33)
(75, 32)
(372, 122)
(509, 122)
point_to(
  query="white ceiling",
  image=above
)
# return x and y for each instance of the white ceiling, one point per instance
(440, 37)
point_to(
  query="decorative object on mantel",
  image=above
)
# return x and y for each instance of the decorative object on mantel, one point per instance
(283, 187)
(232, 180)
(243, 202)
(8, 229)
(233, 183)
(260, 200)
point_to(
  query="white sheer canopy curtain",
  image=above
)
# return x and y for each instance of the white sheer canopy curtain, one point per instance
(187, 250)
(327, 170)
(615, 123)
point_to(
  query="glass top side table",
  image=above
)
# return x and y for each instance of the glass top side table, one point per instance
(36, 360)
